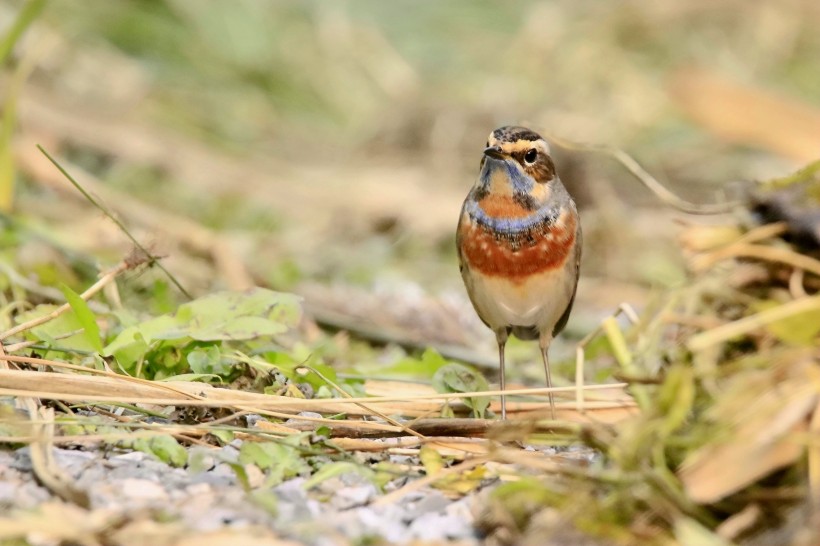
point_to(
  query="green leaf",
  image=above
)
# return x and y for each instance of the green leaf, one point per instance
(13, 86)
(431, 460)
(199, 460)
(240, 315)
(463, 482)
(675, 397)
(518, 498)
(241, 474)
(208, 361)
(136, 340)
(13, 422)
(258, 454)
(386, 472)
(165, 448)
(266, 500)
(225, 437)
(426, 366)
(57, 327)
(84, 316)
(332, 470)
(324, 431)
(460, 378)
(27, 15)
(283, 461)
(314, 379)
(801, 330)
(220, 316)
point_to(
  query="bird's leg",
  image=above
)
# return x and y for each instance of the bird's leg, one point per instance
(545, 346)
(501, 338)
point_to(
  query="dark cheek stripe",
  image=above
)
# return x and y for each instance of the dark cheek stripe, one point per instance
(498, 259)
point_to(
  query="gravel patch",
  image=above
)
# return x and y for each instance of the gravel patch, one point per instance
(210, 498)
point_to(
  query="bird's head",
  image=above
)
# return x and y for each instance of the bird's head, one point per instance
(516, 162)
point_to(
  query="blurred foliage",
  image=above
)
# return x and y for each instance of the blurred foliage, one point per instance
(334, 141)
(317, 80)
(722, 448)
(319, 95)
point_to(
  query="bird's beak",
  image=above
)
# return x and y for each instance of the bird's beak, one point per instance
(494, 152)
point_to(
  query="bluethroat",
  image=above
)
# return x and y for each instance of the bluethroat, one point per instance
(519, 244)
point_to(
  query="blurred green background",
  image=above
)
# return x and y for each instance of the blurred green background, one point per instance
(325, 147)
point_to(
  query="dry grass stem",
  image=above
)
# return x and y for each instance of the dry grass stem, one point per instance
(365, 407)
(814, 458)
(189, 233)
(768, 253)
(664, 195)
(105, 278)
(746, 325)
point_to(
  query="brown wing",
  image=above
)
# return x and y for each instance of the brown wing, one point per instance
(562, 322)
(458, 241)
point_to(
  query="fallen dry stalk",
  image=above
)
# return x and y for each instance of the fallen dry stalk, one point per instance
(168, 386)
(42, 456)
(203, 394)
(407, 429)
(112, 388)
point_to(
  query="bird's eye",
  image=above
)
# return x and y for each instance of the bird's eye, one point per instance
(530, 156)
(487, 145)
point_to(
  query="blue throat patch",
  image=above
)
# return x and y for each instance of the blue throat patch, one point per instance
(521, 184)
(510, 226)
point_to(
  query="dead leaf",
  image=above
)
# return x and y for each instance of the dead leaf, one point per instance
(746, 115)
(765, 420)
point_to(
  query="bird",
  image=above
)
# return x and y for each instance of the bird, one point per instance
(519, 244)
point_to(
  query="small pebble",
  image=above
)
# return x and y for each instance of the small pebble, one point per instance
(143, 490)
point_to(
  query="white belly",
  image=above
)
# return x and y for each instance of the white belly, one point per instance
(538, 301)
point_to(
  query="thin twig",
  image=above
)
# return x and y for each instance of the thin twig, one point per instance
(153, 260)
(346, 394)
(651, 183)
